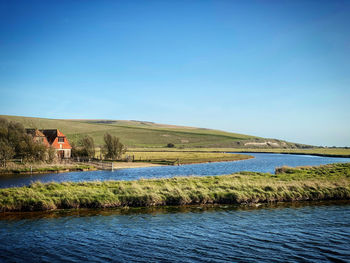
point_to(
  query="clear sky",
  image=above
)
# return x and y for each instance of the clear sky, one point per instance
(277, 69)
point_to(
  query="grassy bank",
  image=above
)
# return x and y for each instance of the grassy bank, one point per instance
(44, 168)
(172, 158)
(331, 152)
(328, 182)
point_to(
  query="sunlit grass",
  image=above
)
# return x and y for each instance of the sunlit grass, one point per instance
(327, 182)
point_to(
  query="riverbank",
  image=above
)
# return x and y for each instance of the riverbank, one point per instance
(326, 152)
(127, 165)
(184, 157)
(327, 182)
(141, 159)
(44, 168)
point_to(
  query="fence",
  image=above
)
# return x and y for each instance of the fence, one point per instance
(102, 165)
(95, 162)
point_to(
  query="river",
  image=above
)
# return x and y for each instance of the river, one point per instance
(314, 232)
(290, 232)
(263, 162)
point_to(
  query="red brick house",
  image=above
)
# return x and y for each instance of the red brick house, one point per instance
(54, 138)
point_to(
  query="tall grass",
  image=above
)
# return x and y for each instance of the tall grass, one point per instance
(329, 182)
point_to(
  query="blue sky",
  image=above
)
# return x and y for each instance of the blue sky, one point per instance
(277, 69)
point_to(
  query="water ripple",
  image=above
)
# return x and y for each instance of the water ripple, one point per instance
(263, 162)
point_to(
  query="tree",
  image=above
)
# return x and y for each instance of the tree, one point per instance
(6, 152)
(3, 129)
(88, 146)
(75, 152)
(11, 134)
(15, 142)
(113, 148)
(16, 135)
(39, 152)
(30, 150)
(51, 154)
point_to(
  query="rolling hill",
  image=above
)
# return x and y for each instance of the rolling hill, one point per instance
(149, 134)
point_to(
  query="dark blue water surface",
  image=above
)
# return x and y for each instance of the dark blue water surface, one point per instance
(263, 162)
(311, 233)
(299, 232)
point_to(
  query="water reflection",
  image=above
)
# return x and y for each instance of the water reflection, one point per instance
(293, 232)
(164, 210)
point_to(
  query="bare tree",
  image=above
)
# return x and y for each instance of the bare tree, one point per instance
(6, 153)
(88, 146)
(113, 148)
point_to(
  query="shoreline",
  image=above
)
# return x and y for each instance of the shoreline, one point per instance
(297, 153)
(240, 150)
(131, 165)
(325, 182)
(90, 167)
(224, 161)
(47, 170)
(163, 209)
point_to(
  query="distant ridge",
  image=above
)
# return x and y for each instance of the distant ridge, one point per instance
(135, 133)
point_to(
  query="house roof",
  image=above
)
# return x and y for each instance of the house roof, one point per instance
(49, 137)
(35, 133)
(52, 134)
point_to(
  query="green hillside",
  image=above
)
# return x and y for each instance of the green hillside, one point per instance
(148, 134)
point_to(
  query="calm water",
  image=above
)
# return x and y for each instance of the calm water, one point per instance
(292, 233)
(304, 232)
(263, 162)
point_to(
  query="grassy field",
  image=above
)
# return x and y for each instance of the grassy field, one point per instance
(327, 182)
(185, 157)
(336, 152)
(145, 134)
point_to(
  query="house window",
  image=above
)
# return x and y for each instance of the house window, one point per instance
(60, 139)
